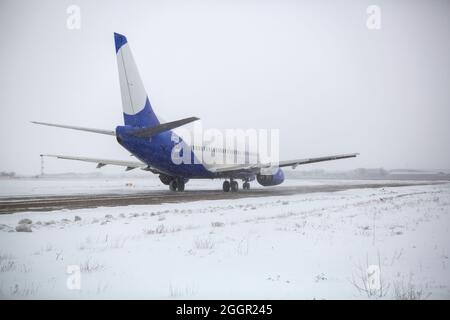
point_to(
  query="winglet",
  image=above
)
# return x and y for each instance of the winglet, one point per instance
(119, 40)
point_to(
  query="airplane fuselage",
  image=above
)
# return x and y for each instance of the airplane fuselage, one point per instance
(157, 153)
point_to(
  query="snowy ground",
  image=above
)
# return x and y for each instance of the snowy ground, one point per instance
(304, 246)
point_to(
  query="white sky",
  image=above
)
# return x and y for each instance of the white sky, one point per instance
(310, 68)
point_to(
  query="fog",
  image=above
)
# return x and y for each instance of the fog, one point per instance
(312, 69)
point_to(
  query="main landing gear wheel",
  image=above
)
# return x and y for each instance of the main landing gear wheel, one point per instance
(234, 186)
(176, 185)
(173, 185)
(246, 186)
(180, 186)
(226, 186)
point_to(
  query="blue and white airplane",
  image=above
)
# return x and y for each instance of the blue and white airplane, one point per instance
(150, 140)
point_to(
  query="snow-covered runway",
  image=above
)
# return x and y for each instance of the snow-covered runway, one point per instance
(284, 247)
(12, 204)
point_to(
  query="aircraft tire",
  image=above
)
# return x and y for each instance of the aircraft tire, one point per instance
(226, 186)
(180, 186)
(173, 185)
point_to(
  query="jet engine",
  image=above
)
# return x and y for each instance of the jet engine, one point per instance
(165, 179)
(273, 179)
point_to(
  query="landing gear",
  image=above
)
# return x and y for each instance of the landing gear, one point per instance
(234, 186)
(226, 186)
(173, 185)
(246, 186)
(180, 185)
(177, 185)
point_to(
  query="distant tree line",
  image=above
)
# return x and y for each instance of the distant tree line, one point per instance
(7, 174)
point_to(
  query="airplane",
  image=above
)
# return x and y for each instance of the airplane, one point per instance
(150, 141)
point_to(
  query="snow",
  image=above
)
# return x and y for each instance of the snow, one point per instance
(309, 246)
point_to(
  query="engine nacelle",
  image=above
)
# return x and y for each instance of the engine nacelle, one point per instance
(165, 179)
(274, 179)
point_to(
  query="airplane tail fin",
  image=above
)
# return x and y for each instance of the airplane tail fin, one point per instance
(137, 110)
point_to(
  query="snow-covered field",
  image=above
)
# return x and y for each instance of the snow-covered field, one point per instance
(304, 246)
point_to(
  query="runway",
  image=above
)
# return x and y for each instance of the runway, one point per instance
(50, 203)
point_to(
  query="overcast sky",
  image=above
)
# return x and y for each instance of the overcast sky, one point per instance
(310, 68)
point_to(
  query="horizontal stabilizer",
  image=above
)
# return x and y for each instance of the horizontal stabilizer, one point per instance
(154, 130)
(101, 131)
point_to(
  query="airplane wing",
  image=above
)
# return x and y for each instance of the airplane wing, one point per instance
(295, 163)
(256, 168)
(130, 165)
